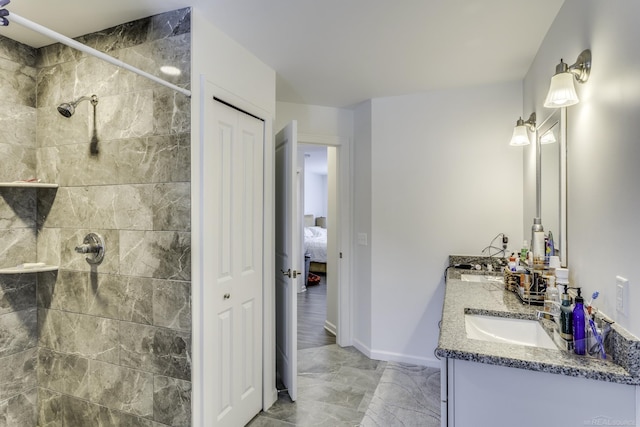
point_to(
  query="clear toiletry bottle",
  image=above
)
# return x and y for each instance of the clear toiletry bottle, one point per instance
(537, 243)
(579, 338)
(523, 253)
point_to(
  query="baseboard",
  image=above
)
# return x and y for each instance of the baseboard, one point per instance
(331, 328)
(389, 356)
(359, 345)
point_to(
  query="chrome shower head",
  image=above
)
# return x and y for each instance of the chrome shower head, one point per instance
(68, 108)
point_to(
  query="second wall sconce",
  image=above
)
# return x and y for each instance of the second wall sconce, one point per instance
(520, 135)
(562, 92)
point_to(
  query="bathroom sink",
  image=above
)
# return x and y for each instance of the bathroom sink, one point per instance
(481, 278)
(507, 331)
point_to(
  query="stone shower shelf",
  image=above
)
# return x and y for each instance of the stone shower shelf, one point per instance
(22, 270)
(27, 185)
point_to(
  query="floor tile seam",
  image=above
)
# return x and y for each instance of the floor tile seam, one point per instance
(266, 415)
(418, 399)
(407, 409)
(322, 383)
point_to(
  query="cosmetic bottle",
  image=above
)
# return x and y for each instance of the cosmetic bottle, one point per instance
(579, 338)
(566, 317)
(537, 243)
(550, 249)
(523, 252)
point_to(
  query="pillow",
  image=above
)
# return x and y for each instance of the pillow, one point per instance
(316, 231)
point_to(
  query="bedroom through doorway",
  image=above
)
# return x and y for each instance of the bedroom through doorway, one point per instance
(316, 296)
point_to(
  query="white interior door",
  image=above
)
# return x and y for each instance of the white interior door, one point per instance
(287, 257)
(232, 271)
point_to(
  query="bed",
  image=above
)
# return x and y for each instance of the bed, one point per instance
(315, 243)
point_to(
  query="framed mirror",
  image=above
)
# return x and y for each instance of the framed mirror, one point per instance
(551, 179)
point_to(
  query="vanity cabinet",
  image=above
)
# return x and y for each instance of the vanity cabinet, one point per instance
(479, 394)
(489, 383)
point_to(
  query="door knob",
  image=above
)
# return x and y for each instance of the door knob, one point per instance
(290, 273)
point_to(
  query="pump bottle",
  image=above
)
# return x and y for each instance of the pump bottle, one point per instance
(566, 317)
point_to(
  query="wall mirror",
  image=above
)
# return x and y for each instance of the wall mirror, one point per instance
(551, 179)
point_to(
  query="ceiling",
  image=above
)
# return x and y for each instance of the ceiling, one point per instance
(340, 52)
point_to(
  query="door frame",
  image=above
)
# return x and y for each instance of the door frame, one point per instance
(207, 91)
(344, 335)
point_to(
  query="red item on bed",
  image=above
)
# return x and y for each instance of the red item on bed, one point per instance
(313, 279)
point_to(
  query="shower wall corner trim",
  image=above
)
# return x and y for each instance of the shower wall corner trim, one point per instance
(91, 51)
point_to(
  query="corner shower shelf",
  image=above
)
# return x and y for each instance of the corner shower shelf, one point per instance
(21, 184)
(21, 270)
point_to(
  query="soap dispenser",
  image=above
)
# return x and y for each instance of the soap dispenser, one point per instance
(566, 317)
(579, 339)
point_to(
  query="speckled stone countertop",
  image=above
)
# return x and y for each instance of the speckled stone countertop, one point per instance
(492, 299)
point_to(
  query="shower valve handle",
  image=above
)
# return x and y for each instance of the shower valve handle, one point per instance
(94, 246)
(88, 248)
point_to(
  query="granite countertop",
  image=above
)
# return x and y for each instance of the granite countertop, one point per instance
(491, 298)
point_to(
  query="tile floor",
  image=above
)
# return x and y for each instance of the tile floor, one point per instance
(342, 387)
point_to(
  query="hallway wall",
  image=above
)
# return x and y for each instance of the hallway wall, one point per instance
(443, 180)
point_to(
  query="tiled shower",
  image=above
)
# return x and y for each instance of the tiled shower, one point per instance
(105, 345)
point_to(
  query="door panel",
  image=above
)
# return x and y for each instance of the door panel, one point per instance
(232, 273)
(287, 254)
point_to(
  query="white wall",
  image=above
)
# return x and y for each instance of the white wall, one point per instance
(361, 283)
(603, 152)
(315, 194)
(239, 78)
(316, 119)
(444, 181)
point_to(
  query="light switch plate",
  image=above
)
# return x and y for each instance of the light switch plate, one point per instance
(622, 295)
(362, 239)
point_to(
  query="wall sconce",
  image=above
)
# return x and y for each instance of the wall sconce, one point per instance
(562, 92)
(548, 138)
(521, 131)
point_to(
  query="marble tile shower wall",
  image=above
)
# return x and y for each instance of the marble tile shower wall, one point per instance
(18, 314)
(112, 343)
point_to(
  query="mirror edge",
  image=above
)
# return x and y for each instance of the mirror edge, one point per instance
(561, 116)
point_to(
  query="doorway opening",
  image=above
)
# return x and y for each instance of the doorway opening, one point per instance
(316, 302)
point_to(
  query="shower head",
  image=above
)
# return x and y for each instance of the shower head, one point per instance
(68, 108)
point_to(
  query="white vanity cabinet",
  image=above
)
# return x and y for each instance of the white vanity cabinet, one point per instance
(479, 394)
(495, 384)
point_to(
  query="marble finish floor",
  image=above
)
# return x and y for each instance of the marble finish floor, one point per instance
(341, 387)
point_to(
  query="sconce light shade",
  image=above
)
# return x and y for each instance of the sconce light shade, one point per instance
(548, 138)
(520, 135)
(562, 92)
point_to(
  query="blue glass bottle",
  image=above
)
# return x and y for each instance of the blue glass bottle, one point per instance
(579, 339)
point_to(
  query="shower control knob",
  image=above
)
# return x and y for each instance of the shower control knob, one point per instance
(93, 245)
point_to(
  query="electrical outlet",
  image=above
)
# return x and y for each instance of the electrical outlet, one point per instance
(622, 295)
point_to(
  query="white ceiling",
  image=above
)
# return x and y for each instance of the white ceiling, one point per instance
(340, 52)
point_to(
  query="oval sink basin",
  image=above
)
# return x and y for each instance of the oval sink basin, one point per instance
(507, 331)
(481, 278)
